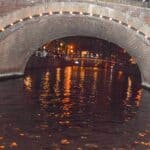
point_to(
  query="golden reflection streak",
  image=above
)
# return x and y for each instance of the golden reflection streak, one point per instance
(58, 74)
(46, 90)
(142, 135)
(28, 83)
(95, 76)
(82, 77)
(129, 89)
(138, 97)
(65, 141)
(67, 109)
(67, 80)
(110, 79)
(67, 105)
(111, 73)
(143, 143)
(105, 72)
(129, 93)
(120, 75)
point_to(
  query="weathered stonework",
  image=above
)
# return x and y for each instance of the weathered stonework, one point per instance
(20, 40)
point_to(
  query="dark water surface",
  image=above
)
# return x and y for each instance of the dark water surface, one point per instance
(74, 108)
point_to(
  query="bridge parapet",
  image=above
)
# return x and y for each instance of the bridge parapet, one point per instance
(136, 17)
(30, 2)
(7, 6)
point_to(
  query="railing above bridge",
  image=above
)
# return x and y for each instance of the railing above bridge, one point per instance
(7, 6)
(16, 3)
(139, 3)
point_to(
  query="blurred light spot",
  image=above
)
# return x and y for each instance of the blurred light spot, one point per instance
(2, 147)
(65, 141)
(13, 144)
(28, 83)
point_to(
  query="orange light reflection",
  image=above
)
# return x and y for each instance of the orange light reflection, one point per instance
(46, 90)
(28, 83)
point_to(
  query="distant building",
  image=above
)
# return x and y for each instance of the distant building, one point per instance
(40, 53)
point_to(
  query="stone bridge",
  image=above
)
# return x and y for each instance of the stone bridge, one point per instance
(27, 25)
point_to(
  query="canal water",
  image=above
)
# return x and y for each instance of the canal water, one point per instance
(74, 108)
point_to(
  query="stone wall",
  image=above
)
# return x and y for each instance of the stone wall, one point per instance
(110, 22)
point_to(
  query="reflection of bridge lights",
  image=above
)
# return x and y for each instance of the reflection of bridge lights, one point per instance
(47, 74)
(66, 100)
(138, 97)
(58, 74)
(45, 91)
(120, 73)
(95, 76)
(65, 142)
(67, 107)
(132, 60)
(67, 80)
(142, 143)
(129, 89)
(82, 73)
(28, 83)
(58, 78)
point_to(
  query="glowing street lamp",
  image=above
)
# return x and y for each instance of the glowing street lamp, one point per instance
(44, 47)
(70, 49)
(61, 44)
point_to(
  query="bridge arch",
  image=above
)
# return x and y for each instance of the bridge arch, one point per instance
(31, 28)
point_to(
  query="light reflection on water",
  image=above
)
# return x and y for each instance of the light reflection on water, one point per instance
(72, 89)
(73, 108)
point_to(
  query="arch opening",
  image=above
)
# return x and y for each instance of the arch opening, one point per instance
(90, 67)
(94, 47)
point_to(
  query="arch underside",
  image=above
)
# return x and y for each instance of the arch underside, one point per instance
(19, 43)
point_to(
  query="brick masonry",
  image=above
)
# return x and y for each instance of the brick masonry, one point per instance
(20, 39)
